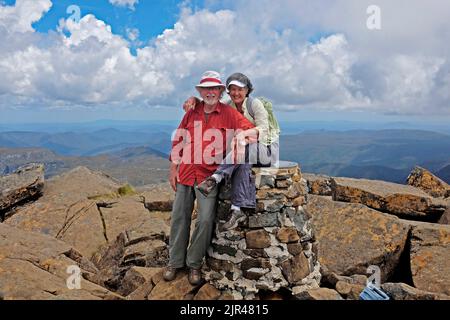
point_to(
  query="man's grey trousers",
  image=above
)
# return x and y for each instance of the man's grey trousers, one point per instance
(180, 254)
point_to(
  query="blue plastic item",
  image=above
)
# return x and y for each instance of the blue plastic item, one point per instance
(371, 292)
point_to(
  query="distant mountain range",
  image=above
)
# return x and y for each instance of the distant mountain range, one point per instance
(387, 154)
(140, 157)
(287, 127)
(85, 127)
(104, 141)
(137, 166)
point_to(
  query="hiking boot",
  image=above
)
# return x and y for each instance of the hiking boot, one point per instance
(207, 186)
(236, 217)
(195, 276)
(169, 273)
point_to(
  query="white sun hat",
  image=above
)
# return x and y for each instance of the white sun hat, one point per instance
(237, 83)
(210, 79)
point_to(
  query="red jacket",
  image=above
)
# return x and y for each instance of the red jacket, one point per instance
(198, 154)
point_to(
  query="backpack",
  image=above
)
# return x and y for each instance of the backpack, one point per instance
(274, 127)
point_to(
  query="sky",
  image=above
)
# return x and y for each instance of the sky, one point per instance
(83, 60)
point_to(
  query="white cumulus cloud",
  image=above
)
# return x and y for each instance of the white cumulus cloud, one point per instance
(20, 17)
(294, 57)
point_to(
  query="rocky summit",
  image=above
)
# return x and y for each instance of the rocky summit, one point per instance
(84, 235)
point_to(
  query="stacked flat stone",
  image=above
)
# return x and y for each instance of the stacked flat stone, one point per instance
(275, 247)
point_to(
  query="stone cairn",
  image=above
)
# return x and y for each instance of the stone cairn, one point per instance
(274, 248)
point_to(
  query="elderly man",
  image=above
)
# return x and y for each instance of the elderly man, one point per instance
(195, 156)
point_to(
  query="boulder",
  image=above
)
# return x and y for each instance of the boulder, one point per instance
(135, 278)
(25, 184)
(34, 266)
(330, 279)
(351, 237)
(66, 210)
(79, 223)
(81, 183)
(402, 291)
(117, 262)
(146, 233)
(129, 214)
(404, 201)
(158, 197)
(207, 292)
(142, 292)
(423, 179)
(430, 256)
(318, 184)
(178, 289)
(319, 294)
(349, 291)
(84, 209)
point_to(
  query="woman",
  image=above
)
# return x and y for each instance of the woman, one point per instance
(263, 153)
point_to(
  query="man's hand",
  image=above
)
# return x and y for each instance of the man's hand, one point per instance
(189, 104)
(173, 176)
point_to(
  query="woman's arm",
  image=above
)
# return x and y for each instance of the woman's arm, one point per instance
(190, 103)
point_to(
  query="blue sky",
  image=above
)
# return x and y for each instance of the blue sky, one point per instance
(316, 60)
(150, 17)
